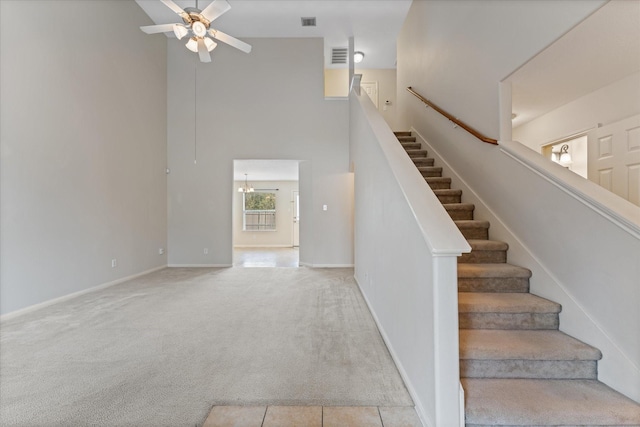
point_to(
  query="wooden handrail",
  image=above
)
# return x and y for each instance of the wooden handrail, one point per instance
(460, 123)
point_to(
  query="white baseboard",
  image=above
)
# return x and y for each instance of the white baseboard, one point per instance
(67, 297)
(199, 265)
(263, 246)
(424, 419)
(306, 264)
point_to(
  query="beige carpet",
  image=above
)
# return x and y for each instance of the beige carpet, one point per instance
(162, 349)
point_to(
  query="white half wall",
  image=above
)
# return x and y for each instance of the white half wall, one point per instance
(268, 104)
(83, 148)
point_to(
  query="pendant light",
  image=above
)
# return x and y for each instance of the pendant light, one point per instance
(246, 188)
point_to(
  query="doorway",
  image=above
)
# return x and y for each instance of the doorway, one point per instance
(265, 213)
(570, 153)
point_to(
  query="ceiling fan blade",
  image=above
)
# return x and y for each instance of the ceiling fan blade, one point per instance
(203, 52)
(231, 41)
(215, 9)
(154, 29)
(171, 5)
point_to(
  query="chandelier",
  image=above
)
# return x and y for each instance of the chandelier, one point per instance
(246, 188)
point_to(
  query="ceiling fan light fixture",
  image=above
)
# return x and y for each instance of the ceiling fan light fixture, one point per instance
(358, 57)
(210, 44)
(199, 29)
(192, 45)
(180, 31)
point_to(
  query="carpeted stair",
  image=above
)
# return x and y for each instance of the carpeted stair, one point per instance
(516, 367)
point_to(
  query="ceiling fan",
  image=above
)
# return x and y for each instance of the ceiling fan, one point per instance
(197, 27)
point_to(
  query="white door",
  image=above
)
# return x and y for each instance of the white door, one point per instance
(371, 88)
(614, 158)
(296, 218)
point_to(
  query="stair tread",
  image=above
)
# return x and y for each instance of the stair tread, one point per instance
(492, 270)
(471, 223)
(515, 402)
(523, 344)
(447, 192)
(487, 245)
(459, 206)
(429, 168)
(502, 302)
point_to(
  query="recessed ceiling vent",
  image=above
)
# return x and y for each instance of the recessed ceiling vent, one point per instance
(339, 55)
(308, 21)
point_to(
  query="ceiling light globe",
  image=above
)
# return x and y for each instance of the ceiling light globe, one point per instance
(358, 57)
(210, 44)
(180, 31)
(199, 29)
(192, 45)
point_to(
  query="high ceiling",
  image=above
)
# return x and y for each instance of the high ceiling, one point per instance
(374, 24)
(601, 50)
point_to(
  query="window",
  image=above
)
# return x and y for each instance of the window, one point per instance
(259, 211)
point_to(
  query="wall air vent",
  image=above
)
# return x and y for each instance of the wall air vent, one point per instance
(308, 21)
(339, 55)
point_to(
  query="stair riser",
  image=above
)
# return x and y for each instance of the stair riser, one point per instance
(519, 321)
(423, 161)
(479, 257)
(493, 284)
(438, 185)
(432, 173)
(450, 199)
(538, 369)
(411, 145)
(475, 233)
(402, 133)
(460, 214)
(417, 154)
(406, 138)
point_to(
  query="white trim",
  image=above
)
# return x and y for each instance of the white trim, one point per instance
(199, 265)
(424, 419)
(462, 414)
(336, 98)
(263, 246)
(567, 138)
(575, 186)
(306, 264)
(615, 209)
(67, 297)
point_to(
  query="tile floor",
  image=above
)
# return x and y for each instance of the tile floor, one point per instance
(265, 257)
(312, 416)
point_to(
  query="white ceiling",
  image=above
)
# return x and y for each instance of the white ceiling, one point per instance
(265, 170)
(374, 24)
(601, 50)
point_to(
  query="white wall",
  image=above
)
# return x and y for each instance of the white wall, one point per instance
(580, 256)
(456, 52)
(268, 104)
(606, 105)
(337, 84)
(83, 138)
(282, 236)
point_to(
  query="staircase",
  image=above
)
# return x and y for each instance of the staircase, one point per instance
(516, 367)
